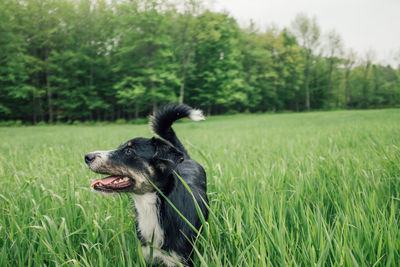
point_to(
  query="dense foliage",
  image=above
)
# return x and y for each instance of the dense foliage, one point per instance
(73, 60)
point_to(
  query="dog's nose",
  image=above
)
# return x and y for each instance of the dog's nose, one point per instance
(89, 158)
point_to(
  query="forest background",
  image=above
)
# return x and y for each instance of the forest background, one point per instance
(93, 60)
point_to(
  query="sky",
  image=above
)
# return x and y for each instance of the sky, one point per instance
(364, 25)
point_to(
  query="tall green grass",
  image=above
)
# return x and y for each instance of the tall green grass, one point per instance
(285, 190)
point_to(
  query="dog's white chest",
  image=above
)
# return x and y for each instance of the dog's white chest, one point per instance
(147, 220)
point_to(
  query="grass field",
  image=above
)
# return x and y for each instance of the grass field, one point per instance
(285, 190)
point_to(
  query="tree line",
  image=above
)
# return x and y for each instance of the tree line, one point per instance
(70, 60)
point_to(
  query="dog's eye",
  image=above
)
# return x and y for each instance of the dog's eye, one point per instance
(128, 151)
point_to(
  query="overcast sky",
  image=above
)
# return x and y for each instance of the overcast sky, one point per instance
(362, 24)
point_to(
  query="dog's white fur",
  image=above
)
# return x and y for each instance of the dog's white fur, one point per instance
(196, 115)
(147, 218)
(168, 260)
(150, 229)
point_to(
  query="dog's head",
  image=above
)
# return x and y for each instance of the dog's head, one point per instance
(133, 164)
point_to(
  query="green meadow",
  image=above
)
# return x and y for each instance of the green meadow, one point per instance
(305, 189)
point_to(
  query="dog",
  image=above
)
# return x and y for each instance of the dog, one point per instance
(151, 169)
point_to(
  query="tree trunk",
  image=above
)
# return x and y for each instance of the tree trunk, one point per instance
(365, 87)
(330, 82)
(154, 105)
(91, 74)
(182, 91)
(136, 109)
(185, 64)
(34, 115)
(37, 103)
(41, 115)
(118, 113)
(346, 89)
(49, 96)
(307, 81)
(48, 86)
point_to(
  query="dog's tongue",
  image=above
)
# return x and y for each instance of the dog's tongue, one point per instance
(105, 181)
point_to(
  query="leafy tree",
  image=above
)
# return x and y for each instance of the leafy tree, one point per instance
(72, 60)
(349, 62)
(16, 64)
(308, 32)
(145, 50)
(185, 41)
(334, 52)
(218, 83)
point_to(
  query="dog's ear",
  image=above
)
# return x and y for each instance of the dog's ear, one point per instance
(166, 156)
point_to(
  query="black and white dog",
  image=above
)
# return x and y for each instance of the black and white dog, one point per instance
(139, 164)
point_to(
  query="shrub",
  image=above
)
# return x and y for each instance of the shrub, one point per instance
(120, 121)
(139, 121)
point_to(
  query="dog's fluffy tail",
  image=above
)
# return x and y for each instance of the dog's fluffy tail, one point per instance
(163, 118)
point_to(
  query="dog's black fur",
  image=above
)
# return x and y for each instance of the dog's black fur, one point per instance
(159, 160)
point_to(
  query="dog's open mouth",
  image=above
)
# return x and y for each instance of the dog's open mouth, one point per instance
(112, 184)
